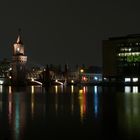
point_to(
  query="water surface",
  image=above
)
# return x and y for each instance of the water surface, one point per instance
(69, 112)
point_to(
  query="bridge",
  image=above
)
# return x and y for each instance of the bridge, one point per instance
(57, 82)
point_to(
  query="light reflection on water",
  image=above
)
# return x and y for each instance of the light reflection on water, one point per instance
(89, 109)
(95, 98)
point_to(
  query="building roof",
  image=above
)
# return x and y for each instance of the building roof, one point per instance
(129, 36)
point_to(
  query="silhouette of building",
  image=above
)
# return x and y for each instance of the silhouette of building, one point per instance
(18, 63)
(121, 58)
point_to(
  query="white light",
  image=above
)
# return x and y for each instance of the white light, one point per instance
(72, 89)
(105, 78)
(72, 81)
(95, 78)
(18, 49)
(135, 89)
(127, 79)
(135, 79)
(32, 79)
(95, 89)
(56, 80)
(1, 82)
(127, 89)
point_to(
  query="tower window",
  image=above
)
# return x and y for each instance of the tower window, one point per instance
(18, 49)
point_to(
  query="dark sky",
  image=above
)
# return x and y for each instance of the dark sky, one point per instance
(66, 31)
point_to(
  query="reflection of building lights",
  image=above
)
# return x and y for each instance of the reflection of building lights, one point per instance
(80, 91)
(56, 89)
(32, 100)
(72, 89)
(84, 89)
(95, 100)
(56, 99)
(32, 89)
(10, 104)
(10, 89)
(82, 101)
(72, 99)
(127, 89)
(17, 117)
(1, 88)
(1, 82)
(95, 89)
(135, 89)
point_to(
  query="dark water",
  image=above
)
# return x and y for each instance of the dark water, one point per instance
(69, 113)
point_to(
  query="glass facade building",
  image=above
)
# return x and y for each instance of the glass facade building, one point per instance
(121, 58)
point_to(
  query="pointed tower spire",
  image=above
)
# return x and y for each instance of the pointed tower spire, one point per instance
(19, 37)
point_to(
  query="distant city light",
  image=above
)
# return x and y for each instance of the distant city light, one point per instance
(81, 70)
(84, 78)
(32, 79)
(95, 78)
(72, 81)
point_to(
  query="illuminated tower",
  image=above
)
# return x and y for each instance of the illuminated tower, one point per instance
(18, 63)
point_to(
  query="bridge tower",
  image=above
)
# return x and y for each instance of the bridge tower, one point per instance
(18, 62)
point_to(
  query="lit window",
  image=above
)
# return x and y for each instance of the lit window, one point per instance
(127, 79)
(18, 49)
(135, 89)
(135, 79)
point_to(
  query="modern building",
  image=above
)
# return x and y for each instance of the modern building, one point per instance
(18, 63)
(121, 58)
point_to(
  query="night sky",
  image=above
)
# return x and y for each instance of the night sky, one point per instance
(65, 31)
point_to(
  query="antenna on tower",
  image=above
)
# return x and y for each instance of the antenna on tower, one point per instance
(19, 36)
